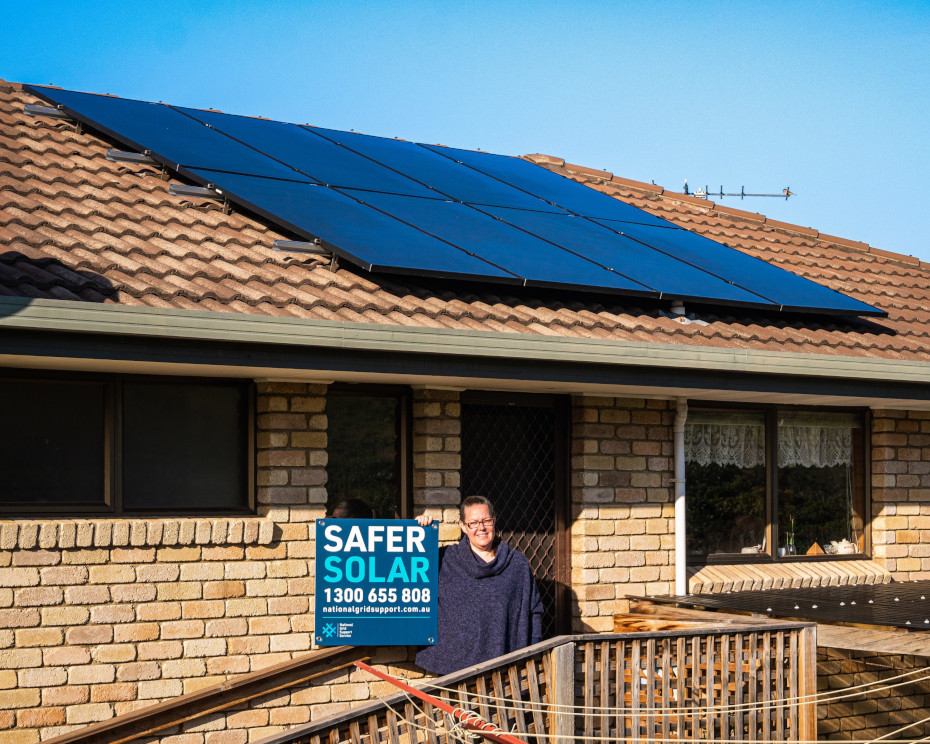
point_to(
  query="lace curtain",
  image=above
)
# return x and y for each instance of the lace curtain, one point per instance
(808, 439)
(725, 439)
(815, 440)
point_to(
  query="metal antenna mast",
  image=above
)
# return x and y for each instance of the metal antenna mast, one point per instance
(705, 192)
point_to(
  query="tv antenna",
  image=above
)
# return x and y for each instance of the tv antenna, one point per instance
(742, 194)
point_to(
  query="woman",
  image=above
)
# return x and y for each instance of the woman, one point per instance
(488, 601)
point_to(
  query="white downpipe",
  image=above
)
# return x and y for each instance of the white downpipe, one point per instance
(681, 562)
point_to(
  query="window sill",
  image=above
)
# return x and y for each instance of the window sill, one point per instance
(734, 577)
(67, 534)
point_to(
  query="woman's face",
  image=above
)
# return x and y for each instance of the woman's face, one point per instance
(481, 535)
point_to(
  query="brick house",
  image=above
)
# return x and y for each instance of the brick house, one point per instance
(181, 399)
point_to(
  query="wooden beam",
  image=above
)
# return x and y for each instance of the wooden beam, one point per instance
(157, 717)
(562, 693)
(807, 684)
(671, 612)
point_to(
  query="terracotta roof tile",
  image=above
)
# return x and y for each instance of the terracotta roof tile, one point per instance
(76, 226)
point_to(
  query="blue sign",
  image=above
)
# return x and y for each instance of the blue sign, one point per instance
(376, 582)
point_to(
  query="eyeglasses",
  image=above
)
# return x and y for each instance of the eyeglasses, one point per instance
(480, 523)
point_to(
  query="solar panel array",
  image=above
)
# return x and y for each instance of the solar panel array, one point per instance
(395, 206)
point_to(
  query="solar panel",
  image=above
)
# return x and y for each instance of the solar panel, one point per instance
(312, 155)
(551, 187)
(367, 237)
(540, 263)
(628, 257)
(437, 172)
(397, 206)
(176, 138)
(788, 290)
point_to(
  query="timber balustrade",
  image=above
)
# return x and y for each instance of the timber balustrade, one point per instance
(724, 681)
(720, 682)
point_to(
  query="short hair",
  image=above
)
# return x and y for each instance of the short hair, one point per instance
(475, 501)
(351, 509)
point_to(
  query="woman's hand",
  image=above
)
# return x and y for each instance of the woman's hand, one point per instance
(424, 521)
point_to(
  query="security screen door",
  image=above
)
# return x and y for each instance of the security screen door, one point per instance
(515, 452)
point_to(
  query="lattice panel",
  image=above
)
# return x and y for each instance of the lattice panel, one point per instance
(508, 455)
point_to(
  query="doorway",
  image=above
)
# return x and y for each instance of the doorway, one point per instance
(515, 451)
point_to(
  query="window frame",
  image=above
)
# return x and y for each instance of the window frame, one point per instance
(771, 412)
(112, 444)
(403, 428)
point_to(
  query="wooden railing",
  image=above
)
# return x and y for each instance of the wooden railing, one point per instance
(720, 682)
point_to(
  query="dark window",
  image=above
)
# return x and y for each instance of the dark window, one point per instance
(53, 443)
(184, 444)
(121, 444)
(774, 484)
(820, 484)
(366, 444)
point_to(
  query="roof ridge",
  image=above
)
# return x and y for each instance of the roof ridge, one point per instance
(654, 188)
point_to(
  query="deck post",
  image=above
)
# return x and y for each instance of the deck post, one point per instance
(807, 684)
(562, 720)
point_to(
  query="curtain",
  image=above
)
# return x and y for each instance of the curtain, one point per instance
(813, 440)
(725, 439)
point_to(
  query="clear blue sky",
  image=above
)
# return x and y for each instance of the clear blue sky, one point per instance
(829, 98)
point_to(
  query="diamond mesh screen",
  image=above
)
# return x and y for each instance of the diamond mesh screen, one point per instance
(509, 454)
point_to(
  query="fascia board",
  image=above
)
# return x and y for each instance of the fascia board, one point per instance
(195, 325)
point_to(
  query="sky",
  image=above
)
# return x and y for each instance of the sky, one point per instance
(831, 99)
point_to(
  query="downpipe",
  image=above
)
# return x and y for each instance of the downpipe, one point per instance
(681, 558)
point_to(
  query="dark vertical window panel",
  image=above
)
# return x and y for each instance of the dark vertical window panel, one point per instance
(820, 484)
(511, 454)
(725, 509)
(53, 443)
(725, 473)
(364, 441)
(184, 446)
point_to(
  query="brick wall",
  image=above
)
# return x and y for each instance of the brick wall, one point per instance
(102, 616)
(622, 505)
(437, 458)
(99, 617)
(880, 712)
(901, 492)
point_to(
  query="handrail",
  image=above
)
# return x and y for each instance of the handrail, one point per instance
(450, 680)
(307, 730)
(157, 717)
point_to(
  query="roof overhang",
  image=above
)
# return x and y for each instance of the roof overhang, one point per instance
(52, 334)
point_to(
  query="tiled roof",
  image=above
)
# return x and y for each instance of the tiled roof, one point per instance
(75, 226)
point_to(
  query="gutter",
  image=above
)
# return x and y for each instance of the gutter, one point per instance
(195, 325)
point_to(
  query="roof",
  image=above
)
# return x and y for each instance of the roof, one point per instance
(75, 226)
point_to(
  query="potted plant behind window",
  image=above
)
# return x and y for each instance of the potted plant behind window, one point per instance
(790, 548)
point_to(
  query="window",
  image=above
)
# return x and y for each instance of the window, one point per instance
(367, 444)
(121, 445)
(774, 484)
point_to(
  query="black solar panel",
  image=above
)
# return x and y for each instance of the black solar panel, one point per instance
(546, 185)
(391, 205)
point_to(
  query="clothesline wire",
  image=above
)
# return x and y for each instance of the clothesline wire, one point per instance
(825, 697)
(459, 733)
